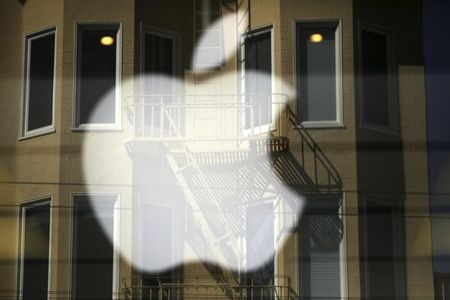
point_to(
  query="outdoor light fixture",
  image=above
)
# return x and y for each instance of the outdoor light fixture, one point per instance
(107, 41)
(316, 38)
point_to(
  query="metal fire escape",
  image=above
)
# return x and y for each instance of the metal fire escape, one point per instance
(225, 132)
(224, 149)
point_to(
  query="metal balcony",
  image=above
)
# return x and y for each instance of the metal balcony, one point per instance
(202, 287)
(208, 117)
(225, 127)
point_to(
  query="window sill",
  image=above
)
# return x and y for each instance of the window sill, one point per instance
(321, 125)
(97, 127)
(37, 133)
(380, 129)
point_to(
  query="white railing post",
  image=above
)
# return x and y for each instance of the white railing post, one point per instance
(252, 121)
(141, 112)
(152, 120)
(161, 120)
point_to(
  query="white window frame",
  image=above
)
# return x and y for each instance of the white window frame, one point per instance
(174, 37)
(177, 91)
(25, 133)
(393, 98)
(35, 202)
(339, 121)
(117, 125)
(116, 246)
(265, 128)
(343, 265)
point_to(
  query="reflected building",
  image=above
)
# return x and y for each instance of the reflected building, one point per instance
(289, 144)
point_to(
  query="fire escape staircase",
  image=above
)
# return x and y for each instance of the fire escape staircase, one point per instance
(305, 169)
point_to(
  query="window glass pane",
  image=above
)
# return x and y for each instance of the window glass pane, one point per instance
(321, 232)
(159, 57)
(97, 72)
(40, 81)
(207, 5)
(153, 231)
(208, 21)
(92, 266)
(258, 79)
(208, 57)
(316, 59)
(36, 238)
(154, 241)
(374, 67)
(382, 277)
(208, 34)
(259, 241)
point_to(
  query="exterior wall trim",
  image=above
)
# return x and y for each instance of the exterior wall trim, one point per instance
(117, 126)
(173, 36)
(393, 97)
(116, 246)
(254, 31)
(339, 122)
(39, 201)
(24, 134)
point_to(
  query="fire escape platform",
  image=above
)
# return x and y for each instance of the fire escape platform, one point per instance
(210, 151)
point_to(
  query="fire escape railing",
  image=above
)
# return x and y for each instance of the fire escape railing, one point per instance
(208, 117)
(235, 118)
(174, 122)
(312, 159)
(201, 287)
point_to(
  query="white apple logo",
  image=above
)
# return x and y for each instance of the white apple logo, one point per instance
(217, 199)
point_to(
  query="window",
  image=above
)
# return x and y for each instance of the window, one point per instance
(377, 80)
(257, 79)
(35, 249)
(97, 90)
(39, 83)
(321, 235)
(259, 241)
(208, 34)
(159, 57)
(159, 246)
(93, 267)
(318, 73)
(382, 249)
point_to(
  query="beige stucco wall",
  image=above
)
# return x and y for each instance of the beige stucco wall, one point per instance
(109, 171)
(31, 165)
(419, 271)
(338, 144)
(49, 165)
(405, 157)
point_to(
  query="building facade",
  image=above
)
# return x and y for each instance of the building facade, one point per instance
(245, 102)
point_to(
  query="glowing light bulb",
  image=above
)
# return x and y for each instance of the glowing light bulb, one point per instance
(107, 41)
(316, 38)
